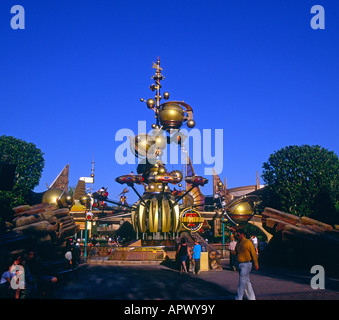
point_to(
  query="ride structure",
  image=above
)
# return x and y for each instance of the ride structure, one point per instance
(159, 213)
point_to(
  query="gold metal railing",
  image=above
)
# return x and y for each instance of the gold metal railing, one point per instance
(130, 253)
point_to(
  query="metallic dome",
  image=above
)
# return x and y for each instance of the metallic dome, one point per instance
(241, 212)
(55, 196)
(171, 116)
(141, 144)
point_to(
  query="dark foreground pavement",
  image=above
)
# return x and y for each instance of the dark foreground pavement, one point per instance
(164, 282)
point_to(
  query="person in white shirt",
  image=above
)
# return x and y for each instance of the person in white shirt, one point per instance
(233, 255)
(254, 240)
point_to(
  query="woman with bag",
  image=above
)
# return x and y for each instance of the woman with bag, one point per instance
(182, 254)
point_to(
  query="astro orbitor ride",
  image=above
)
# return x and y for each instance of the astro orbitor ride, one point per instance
(157, 213)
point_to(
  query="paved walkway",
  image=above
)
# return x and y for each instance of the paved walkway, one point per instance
(164, 282)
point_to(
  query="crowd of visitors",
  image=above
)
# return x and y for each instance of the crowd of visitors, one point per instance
(188, 256)
(243, 254)
(28, 276)
(105, 241)
(25, 278)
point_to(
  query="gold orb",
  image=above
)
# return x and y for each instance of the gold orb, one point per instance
(85, 200)
(241, 212)
(177, 175)
(151, 187)
(140, 144)
(171, 116)
(69, 199)
(150, 103)
(54, 196)
(162, 170)
(160, 142)
(191, 123)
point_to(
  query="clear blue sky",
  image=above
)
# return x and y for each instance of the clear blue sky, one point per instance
(255, 69)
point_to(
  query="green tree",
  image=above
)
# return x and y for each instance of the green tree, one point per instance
(30, 163)
(303, 180)
(71, 190)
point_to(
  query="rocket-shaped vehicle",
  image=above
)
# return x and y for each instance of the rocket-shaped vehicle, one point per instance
(130, 179)
(196, 180)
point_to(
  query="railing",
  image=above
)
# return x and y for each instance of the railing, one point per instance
(222, 249)
(139, 252)
(112, 227)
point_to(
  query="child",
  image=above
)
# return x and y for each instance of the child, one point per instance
(196, 256)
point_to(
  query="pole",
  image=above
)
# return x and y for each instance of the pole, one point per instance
(90, 208)
(85, 253)
(181, 197)
(223, 217)
(223, 236)
(140, 197)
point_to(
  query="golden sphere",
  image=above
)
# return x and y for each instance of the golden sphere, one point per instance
(177, 175)
(85, 200)
(151, 187)
(54, 196)
(160, 142)
(162, 170)
(140, 144)
(150, 103)
(69, 199)
(191, 123)
(154, 170)
(241, 212)
(171, 116)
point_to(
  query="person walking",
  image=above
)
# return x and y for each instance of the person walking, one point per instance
(182, 254)
(254, 240)
(5, 284)
(233, 254)
(246, 254)
(189, 257)
(196, 256)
